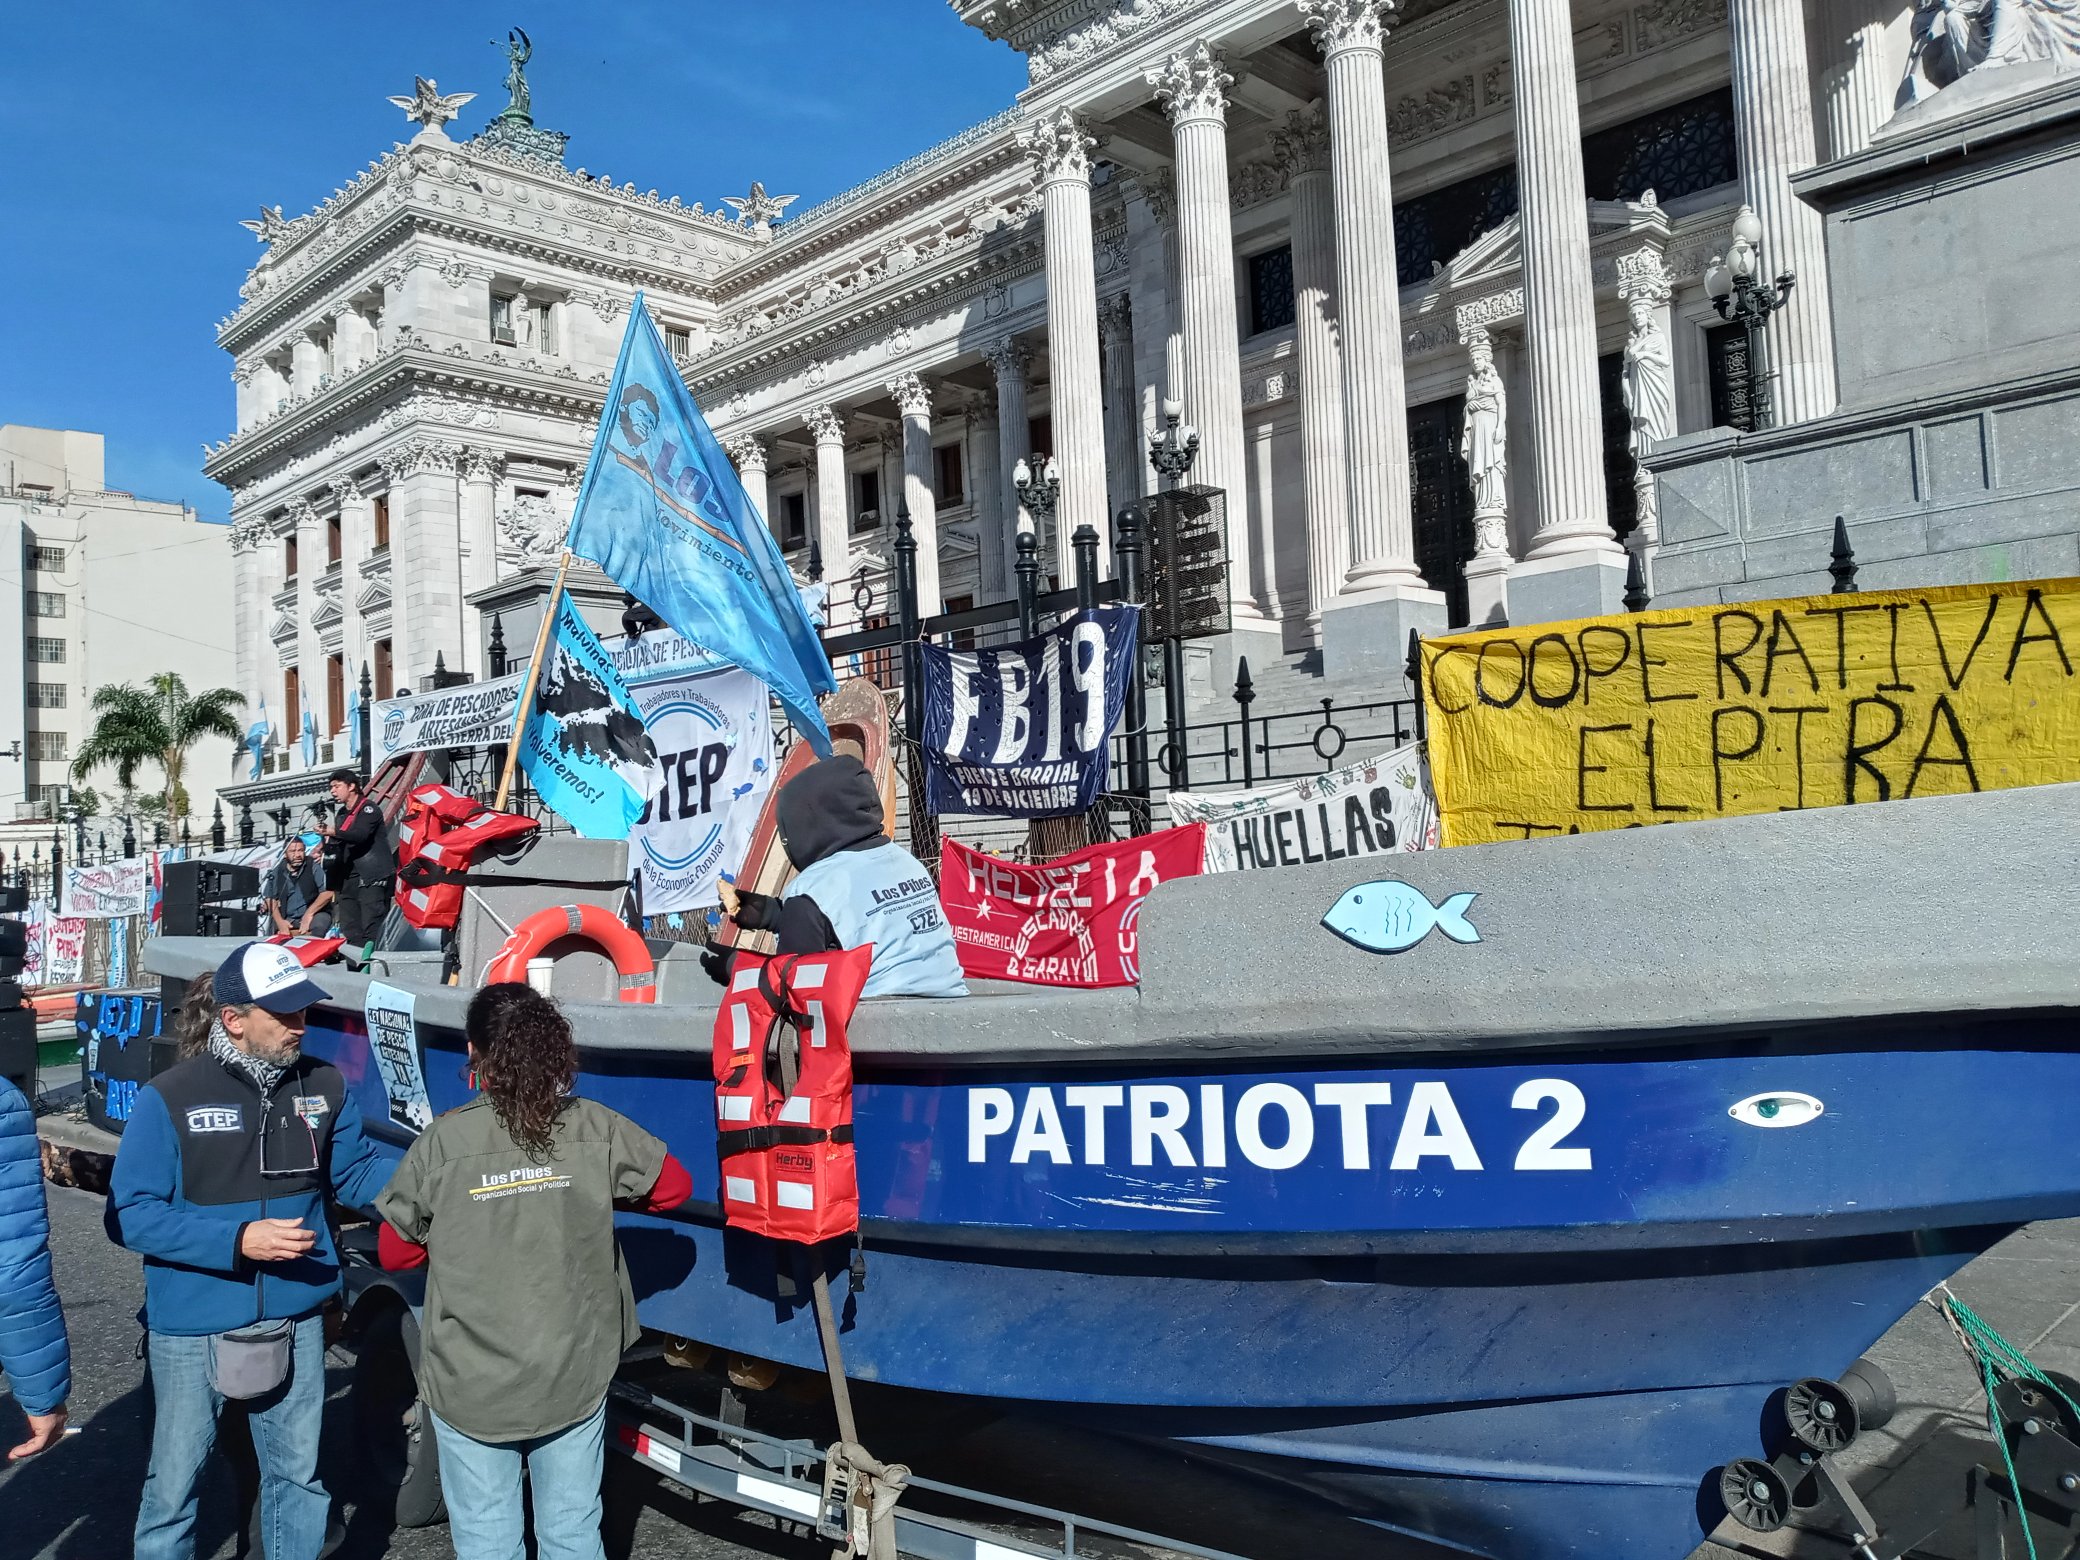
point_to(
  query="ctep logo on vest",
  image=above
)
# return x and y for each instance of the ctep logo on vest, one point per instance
(215, 1118)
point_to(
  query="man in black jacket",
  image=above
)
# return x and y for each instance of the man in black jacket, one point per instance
(364, 862)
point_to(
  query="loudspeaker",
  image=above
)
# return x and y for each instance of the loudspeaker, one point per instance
(193, 886)
(216, 921)
(18, 1049)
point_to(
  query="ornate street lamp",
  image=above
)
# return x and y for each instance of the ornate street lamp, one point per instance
(1172, 451)
(1743, 299)
(1039, 489)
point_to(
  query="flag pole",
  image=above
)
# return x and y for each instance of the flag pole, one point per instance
(534, 672)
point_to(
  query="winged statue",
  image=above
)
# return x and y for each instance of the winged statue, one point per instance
(429, 106)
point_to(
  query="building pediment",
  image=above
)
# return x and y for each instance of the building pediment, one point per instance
(328, 612)
(374, 594)
(284, 630)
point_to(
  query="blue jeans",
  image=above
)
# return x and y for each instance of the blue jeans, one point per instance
(481, 1482)
(293, 1504)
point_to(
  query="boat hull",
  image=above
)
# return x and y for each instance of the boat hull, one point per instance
(1432, 1293)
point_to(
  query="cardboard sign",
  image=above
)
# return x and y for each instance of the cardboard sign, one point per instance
(1763, 706)
(1074, 921)
(114, 888)
(393, 1041)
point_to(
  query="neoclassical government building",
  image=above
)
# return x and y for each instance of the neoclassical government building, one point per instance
(1432, 283)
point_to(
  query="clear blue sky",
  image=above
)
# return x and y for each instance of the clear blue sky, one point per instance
(137, 135)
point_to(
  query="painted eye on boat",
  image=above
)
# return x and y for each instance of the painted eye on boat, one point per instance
(1785, 1108)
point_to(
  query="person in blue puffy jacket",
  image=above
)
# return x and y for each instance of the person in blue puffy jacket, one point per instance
(33, 1350)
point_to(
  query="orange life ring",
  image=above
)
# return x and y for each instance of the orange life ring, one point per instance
(602, 928)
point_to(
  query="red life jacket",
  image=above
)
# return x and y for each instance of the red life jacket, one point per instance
(788, 1170)
(447, 832)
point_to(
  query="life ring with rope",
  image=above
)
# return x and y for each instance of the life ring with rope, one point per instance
(635, 969)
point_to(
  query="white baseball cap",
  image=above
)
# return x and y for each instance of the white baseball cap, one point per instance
(266, 975)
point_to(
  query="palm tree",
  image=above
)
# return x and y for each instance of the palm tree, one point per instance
(157, 722)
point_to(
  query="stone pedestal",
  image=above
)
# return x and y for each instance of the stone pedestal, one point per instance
(1568, 585)
(1365, 638)
(1487, 586)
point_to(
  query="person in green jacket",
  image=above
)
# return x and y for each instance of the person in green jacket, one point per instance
(509, 1202)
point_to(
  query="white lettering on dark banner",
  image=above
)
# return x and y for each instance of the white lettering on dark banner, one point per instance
(1021, 731)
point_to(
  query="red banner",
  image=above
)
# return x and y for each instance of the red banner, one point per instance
(1072, 922)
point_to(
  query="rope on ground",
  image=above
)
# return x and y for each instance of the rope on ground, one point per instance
(1998, 1361)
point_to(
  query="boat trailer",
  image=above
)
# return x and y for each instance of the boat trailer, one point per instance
(2033, 1493)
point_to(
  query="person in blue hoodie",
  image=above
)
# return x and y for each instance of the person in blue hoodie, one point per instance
(33, 1350)
(220, 1186)
(853, 886)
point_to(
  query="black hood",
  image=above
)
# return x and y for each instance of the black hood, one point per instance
(830, 806)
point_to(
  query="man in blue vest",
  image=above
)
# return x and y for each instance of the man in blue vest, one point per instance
(220, 1184)
(853, 885)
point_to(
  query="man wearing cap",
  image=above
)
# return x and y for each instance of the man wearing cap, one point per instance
(220, 1185)
(363, 862)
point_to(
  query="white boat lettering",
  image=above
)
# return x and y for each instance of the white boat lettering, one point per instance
(1274, 1126)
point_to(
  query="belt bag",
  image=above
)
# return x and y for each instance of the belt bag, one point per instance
(251, 1361)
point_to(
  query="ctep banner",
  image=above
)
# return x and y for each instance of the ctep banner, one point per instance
(714, 737)
(1074, 921)
(1715, 711)
(1380, 807)
(1023, 731)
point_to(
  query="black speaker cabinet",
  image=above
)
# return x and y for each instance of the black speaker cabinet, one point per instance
(18, 1049)
(194, 888)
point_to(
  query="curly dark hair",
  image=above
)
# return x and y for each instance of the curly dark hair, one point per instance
(198, 1011)
(526, 1060)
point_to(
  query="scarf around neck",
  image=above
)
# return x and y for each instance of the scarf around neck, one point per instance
(265, 1075)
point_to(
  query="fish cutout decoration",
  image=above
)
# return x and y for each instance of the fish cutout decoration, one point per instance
(1391, 917)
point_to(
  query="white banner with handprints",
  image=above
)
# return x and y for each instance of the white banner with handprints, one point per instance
(112, 889)
(1371, 809)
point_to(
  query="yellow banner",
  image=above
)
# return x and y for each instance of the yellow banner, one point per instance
(1761, 706)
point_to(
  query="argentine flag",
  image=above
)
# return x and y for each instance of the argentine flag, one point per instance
(583, 746)
(257, 735)
(661, 510)
(354, 722)
(309, 737)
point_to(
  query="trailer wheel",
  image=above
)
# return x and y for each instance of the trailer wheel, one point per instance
(400, 1464)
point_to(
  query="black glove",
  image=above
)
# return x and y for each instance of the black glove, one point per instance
(715, 960)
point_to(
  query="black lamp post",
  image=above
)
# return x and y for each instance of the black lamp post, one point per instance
(1171, 453)
(1743, 298)
(1039, 489)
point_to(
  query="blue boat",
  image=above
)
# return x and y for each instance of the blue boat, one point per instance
(1502, 1241)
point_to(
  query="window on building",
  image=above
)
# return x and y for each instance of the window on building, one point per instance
(381, 512)
(385, 683)
(289, 556)
(963, 638)
(502, 323)
(292, 701)
(332, 539)
(47, 744)
(46, 696)
(878, 666)
(679, 342)
(794, 519)
(1271, 290)
(866, 500)
(950, 486)
(49, 796)
(51, 652)
(1040, 434)
(46, 604)
(538, 327)
(335, 693)
(49, 559)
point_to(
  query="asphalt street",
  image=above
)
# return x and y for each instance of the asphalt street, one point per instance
(78, 1502)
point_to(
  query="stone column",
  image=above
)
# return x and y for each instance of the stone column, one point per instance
(833, 525)
(1193, 89)
(1773, 124)
(989, 497)
(425, 559)
(1122, 416)
(310, 652)
(1575, 567)
(477, 529)
(1859, 91)
(913, 395)
(249, 611)
(1009, 360)
(307, 361)
(1303, 152)
(248, 394)
(748, 452)
(354, 543)
(1060, 152)
(1161, 186)
(1365, 626)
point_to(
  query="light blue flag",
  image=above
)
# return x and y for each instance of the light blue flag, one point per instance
(309, 739)
(584, 747)
(256, 738)
(354, 723)
(662, 511)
